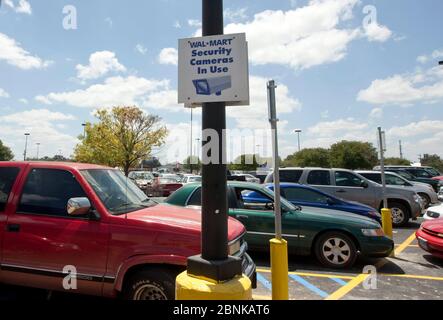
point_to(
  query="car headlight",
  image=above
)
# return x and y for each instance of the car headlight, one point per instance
(373, 232)
(374, 214)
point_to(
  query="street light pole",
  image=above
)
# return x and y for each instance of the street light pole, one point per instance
(191, 151)
(26, 146)
(298, 131)
(38, 149)
(84, 130)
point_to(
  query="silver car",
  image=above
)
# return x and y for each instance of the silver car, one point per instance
(346, 184)
(440, 194)
(425, 191)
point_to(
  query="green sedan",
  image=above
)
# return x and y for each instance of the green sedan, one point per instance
(335, 237)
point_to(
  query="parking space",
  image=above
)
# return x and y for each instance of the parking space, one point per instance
(411, 274)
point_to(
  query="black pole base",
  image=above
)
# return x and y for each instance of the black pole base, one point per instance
(217, 270)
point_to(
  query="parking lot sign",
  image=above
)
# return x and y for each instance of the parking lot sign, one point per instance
(213, 69)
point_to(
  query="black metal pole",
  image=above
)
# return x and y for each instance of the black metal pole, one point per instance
(214, 194)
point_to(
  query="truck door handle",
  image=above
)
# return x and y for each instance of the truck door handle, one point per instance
(13, 228)
(341, 191)
(239, 216)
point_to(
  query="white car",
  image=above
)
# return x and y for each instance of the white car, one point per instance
(435, 212)
(191, 179)
(440, 194)
(249, 177)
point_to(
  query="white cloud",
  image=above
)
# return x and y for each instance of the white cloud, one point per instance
(301, 37)
(3, 93)
(141, 49)
(164, 99)
(376, 32)
(332, 128)
(14, 54)
(168, 56)
(109, 21)
(194, 23)
(42, 125)
(23, 100)
(114, 91)
(100, 63)
(422, 59)
(436, 54)
(177, 24)
(405, 90)
(255, 116)
(376, 113)
(235, 15)
(22, 6)
(425, 127)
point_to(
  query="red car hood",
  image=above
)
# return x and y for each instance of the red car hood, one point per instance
(182, 218)
(434, 225)
(438, 178)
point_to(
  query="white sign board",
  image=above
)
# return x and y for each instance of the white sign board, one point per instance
(213, 69)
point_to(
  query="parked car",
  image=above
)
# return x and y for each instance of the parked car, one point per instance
(335, 237)
(425, 191)
(440, 194)
(301, 195)
(249, 177)
(54, 215)
(430, 237)
(350, 186)
(434, 212)
(141, 178)
(418, 174)
(190, 179)
(164, 185)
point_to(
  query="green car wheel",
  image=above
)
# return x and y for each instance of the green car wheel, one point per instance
(336, 250)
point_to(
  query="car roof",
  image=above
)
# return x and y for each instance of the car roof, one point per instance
(58, 164)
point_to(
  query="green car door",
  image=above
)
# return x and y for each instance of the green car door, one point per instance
(259, 219)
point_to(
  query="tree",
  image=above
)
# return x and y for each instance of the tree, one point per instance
(194, 161)
(315, 157)
(397, 162)
(5, 153)
(245, 162)
(122, 138)
(353, 155)
(432, 161)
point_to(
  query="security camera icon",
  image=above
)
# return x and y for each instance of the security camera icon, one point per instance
(212, 85)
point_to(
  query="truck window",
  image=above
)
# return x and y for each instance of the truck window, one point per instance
(7, 179)
(347, 179)
(376, 177)
(319, 177)
(47, 192)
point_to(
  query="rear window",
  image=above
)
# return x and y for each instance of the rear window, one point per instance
(290, 175)
(319, 177)
(372, 176)
(7, 179)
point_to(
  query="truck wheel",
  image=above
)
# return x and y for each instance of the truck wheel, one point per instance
(150, 284)
(336, 250)
(400, 214)
(426, 200)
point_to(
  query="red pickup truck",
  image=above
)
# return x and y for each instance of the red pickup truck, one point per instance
(94, 227)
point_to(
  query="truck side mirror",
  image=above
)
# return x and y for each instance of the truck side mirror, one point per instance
(78, 207)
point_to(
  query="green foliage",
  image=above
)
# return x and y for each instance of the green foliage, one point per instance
(122, 138)
(353, 155)
(397, 162)
(193, 161)
(315, 157)
(432, 161)
(5, 153)
(245, 162)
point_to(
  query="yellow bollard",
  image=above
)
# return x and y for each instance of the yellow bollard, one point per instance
(386, 219)
(191, 288)
(279, 269)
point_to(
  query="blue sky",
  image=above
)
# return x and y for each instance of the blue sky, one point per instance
(340, 74)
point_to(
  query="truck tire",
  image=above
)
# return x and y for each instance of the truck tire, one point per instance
(335, 250)
(150, 284)
(400, 214)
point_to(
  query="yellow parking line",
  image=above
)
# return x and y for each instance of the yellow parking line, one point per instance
(308, 274)
(260, 297)
(412, 276)
(405, 244)
(340, 293)
(348, 287)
